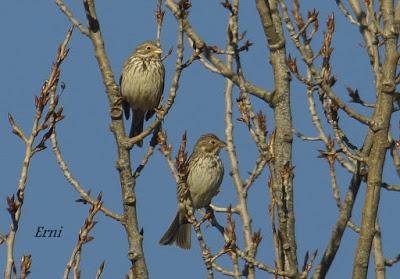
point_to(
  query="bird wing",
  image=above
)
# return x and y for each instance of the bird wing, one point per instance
(125, 105)
(150, 113)
(127, 108)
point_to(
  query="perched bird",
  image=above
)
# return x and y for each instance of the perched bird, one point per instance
(204, 176)
(142, 84)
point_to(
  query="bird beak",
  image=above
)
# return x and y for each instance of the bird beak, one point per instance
(222, 144)
(158, 51)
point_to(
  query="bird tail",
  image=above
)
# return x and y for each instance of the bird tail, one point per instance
(178, 233)
(137, 126)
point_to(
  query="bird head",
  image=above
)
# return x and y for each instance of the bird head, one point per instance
(209, 143)
(147, 50)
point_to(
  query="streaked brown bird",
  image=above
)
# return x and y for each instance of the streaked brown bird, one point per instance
(204, 176)
(142, 85)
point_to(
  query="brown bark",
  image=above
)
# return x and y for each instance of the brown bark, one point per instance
(280, 166)
(376, 160)
(123, 164)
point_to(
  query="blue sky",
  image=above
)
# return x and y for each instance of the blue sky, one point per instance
(31, 32)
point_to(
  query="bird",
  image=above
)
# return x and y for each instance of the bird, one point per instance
(205, 171)
(142, 85)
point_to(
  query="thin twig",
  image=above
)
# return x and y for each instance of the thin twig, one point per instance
(83, 238)
(379, 259)
(198, 43)
(159, 18)
(100, 270)
(144, 161)
(346, 12)
(360, 118)
(271, 210)
(261, 265)
(70, 16)
(15, 202)
(26, 262)
(395, 156)
(391, 262)
(16, 130)
(242, 202)
(224, 271)
(255, 173)
(224, 209)
(391, 187)
(74, 183)
(306, 138)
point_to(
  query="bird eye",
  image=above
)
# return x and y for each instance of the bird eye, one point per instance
(148, 48)
(213, 142)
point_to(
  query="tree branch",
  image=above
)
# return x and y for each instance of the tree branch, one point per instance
(83, 238)
(198, 43)
(41, 102)
(281, 165)
(380, 144)
(70, 16)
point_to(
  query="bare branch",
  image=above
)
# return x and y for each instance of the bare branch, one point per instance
(360, 118)
(281, 167)
(159, 13)
(258, 168)
(260, 265)
(391, 187)
(224, 209)
(306, 138)
(242, 202)
(70, 16)
(224, 271)
(379, 259)
(395, 156)
(307, 266)
(83, 238)
(74, 183)
(198, 43)
(391, 262)
(16, 130)
(15, 205)
(272, 214)
(123, 165)
(370, 39)
(143, 163)
(381, 118)
(370, 13)
(338, 229)
(100, 270)
(355, 98)
(26, 262)
(346, 12)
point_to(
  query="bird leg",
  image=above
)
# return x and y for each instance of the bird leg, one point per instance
(210, 216)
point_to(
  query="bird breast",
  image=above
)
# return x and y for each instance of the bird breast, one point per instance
(142, 83)
(204, 179)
